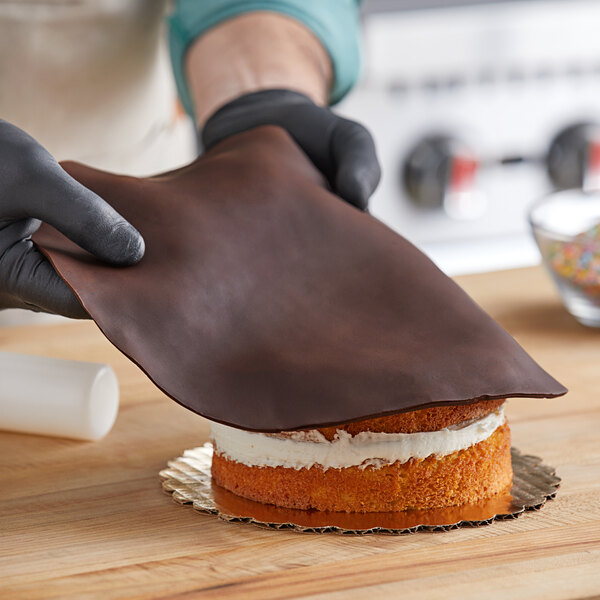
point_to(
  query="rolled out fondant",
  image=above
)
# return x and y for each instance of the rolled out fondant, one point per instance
(266, 303)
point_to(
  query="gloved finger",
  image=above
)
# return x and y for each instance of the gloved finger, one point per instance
(15, 231)
(81, 215)
(357, 170)
(32, 283)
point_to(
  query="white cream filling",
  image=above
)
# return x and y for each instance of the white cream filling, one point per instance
(303, 449)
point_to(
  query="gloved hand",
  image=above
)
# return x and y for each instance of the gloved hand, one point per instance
(34, 188)
(342, 150)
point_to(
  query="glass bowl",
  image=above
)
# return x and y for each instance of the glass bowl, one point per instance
(566, 227)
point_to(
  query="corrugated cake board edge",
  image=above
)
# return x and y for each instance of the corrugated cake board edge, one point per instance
(188, 480)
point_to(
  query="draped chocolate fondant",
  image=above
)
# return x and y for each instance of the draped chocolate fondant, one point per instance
(267, 303)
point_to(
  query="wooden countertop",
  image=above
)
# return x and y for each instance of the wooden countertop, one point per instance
(89, 520)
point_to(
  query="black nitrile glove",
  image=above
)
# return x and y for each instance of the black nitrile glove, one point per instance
(342, 150)
(34, 188)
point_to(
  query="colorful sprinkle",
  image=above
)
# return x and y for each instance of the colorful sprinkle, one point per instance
(579, 260)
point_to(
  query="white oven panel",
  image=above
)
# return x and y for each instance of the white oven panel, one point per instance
(480, 91)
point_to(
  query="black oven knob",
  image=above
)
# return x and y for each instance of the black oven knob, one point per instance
(440, 172)
(573, 160)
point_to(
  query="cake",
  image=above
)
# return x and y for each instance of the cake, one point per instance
(429, 458)
(267, 305)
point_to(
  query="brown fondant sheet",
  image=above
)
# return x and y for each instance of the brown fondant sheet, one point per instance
(267, 303)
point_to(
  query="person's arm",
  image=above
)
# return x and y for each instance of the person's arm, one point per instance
(334, 23)
(252, 52)
(278, 67)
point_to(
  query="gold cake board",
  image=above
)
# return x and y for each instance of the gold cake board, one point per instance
(188, 479)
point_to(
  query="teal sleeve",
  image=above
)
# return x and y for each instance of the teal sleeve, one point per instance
(334, 22)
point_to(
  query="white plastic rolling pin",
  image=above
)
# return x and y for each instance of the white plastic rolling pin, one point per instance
(63, 398)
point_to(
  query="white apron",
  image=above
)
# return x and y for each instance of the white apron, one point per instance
(91, 81)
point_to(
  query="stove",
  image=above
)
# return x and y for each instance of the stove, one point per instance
(477, 111)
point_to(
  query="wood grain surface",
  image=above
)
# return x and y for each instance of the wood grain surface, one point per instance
(89, 520)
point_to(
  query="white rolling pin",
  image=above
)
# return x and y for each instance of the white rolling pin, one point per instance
(64, 398)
